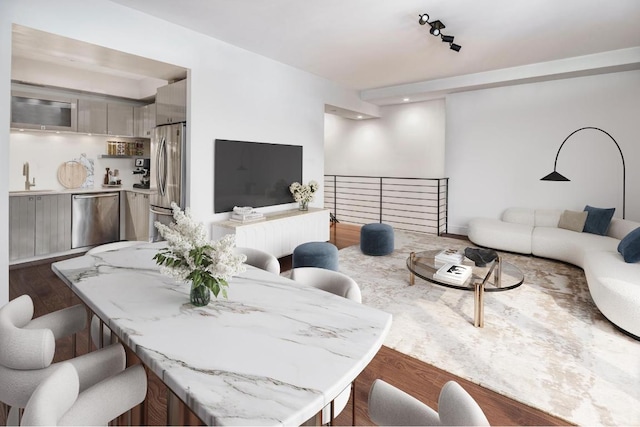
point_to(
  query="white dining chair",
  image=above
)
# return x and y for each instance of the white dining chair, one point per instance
(338, 284)
(58, 400)
(27, 348)
(260, 259)
(95, 321)
(391, 406)
(328, 280)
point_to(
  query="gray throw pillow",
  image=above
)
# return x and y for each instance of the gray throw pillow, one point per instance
(573, 220)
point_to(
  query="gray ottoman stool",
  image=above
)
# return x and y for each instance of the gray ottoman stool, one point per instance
(376, 239)
(316, 254)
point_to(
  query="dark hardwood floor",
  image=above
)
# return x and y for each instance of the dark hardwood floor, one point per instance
(411, 375)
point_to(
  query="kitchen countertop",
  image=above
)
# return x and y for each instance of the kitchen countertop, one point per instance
(79, 191)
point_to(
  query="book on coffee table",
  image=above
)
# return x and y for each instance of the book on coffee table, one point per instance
(453, 273)
(453, 256)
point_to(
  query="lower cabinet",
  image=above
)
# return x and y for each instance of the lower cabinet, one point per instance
(137, 216)
(279, 233)
(39, 225)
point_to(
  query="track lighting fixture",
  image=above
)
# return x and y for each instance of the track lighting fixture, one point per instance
(447, 39)
(436, 30)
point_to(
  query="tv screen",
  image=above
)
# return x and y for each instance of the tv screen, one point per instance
(254, 174)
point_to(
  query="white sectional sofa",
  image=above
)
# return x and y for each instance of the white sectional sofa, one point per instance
(614, 284)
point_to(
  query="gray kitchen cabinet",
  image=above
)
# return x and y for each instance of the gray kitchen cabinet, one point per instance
(92, 116)
(39, 225)
(171, 103)
(137, 216)
(144, 120)
(105, 118)
(22, 227)
(119, 119)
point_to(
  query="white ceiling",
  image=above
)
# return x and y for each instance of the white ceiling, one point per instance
(378, 47)
(368, 44)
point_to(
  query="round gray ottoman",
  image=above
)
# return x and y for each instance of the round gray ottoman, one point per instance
(376, 239)
(316, 254)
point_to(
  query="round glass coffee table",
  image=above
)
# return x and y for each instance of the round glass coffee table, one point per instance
(497, 276)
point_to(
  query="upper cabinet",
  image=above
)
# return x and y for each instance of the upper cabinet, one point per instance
(106, 118)
(171, 103)
(119, 119)
(144, 120)
(33, 109)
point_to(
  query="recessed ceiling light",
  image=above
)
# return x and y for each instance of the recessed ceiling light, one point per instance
(359, 117)
(406, 99)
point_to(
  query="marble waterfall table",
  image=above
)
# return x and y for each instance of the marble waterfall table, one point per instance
(274, 353)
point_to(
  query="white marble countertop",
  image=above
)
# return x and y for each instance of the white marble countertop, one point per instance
(274, 353)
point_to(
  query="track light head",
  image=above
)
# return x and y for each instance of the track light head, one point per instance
(447, 39)
(423, 19)
(455, 47)
(436, 26)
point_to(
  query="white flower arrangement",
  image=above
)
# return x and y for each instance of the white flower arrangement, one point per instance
(190, 256)
(303, 193)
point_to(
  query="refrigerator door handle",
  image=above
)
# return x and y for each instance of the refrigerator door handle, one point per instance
(160, 213)
(161, 172)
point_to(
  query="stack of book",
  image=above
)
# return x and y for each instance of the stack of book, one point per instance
(246, 214)
(453, 273)
(453, 256)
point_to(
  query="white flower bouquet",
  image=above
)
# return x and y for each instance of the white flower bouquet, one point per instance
(190, 256)
(303, 193)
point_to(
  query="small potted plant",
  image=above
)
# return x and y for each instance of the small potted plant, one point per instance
(192, 258)
(303, 194)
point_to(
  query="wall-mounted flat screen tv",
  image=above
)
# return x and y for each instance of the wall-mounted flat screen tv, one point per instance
(254, 174)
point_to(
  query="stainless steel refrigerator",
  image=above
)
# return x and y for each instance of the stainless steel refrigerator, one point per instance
(168, 175)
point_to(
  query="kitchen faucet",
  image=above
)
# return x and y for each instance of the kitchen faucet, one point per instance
(25, 172)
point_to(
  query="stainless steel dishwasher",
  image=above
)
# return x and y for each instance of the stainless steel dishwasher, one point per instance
(95, 219)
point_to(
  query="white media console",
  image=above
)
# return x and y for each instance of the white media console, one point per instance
(279, 233)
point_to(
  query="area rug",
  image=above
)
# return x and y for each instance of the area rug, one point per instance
(544, 344)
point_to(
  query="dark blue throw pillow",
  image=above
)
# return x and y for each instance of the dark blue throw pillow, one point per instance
(598, 220)
(629, 247)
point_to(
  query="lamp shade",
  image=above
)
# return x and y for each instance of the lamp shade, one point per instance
(554, 176)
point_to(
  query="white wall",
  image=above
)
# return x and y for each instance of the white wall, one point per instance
(501, 141)
(406, 141)
(46, 151)
(232, 93)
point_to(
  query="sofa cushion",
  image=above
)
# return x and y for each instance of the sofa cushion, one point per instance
(619, 228)
(614, 288)
(629, 247)
(523, 216)
(572, 220)
(598, 220)
(501, 235)
(547, 217)
(568, 246)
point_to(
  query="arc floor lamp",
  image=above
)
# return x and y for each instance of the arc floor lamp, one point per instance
(555, 176)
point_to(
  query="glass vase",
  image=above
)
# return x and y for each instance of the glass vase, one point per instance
(303, 205)
(200, 296)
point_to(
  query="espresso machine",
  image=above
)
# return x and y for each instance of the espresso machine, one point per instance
(142, 167)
